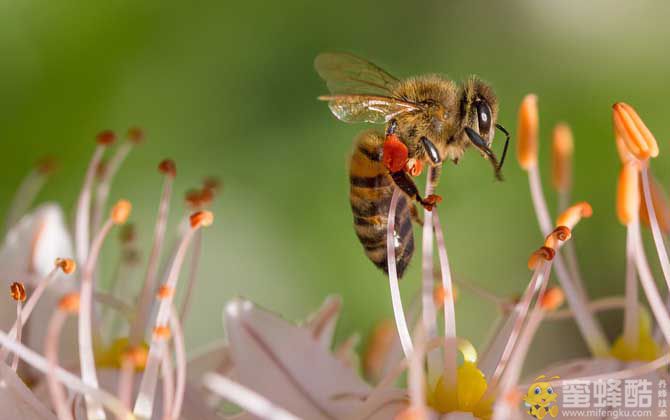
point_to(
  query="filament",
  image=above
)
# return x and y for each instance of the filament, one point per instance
(82, 218)
(427, 302)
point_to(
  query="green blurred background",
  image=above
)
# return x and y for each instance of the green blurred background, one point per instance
(229, 89)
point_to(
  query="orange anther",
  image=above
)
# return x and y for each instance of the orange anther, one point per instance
(162, 331)
(202, 218)
(394, 154)
(106, 137)
(562, 148)
(542, 254)
(560, 234)
(137, 355)
(69, 303)
(168, 167)
(528, 132)
(573, 214)
(67, 265)
(17, 291)
(121, 211)
(165, 291)
(552, 299)
(631, 129)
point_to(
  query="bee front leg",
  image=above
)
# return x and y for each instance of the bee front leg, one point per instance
(407, 185)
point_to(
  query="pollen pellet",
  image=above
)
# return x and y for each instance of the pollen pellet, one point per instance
(168, 167)
(628, 193)
(165, 291)
(121, 211)
(636, 136)
(562, 148)
(201, 218)
(106, 138)
(67, 265)
(69, 303)
(394, 153)
(528, 132)
(162, 331)
(552, 299)
(18, 291)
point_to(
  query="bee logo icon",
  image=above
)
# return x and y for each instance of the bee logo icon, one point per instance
(540, 400)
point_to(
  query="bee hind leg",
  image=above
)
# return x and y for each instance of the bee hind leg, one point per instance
(415, 215)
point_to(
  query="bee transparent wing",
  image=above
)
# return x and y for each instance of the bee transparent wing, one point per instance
(367, 108)
(345, 73)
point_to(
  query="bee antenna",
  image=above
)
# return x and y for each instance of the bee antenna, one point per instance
(504, 153)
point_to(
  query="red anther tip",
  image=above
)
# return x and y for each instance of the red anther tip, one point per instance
(168, 167)
(202, 218)
(135, 135)
(106, 137)
(394, 153)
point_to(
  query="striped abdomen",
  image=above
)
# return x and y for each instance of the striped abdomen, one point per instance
(370, 196)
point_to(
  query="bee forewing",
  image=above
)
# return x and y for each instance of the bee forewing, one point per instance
(363, 108)
(348, 74)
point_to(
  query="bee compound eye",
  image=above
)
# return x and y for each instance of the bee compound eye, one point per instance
(483, 118)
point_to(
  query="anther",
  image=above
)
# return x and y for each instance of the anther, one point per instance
(69, 303)
(67, 265)
(572, 215)
(138, 355)
(106, 138)
(201, 218)
(562, 148)
(135, 135)
(560, 234)
(542, 254)
(212, 183)
(528, 132)
(168, 167)
(552, 299)
(121, 211)
(192, 198)
(165, 291)
(162, 331)
(629, 126)
(17, 291)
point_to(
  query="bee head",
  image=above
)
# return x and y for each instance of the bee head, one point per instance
(479, 107)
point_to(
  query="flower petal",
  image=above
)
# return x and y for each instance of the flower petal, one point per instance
(285, 364)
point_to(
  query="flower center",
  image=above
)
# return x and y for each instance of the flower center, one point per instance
(466, 396)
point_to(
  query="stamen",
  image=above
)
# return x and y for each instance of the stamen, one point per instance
(572, 215)
(119, 214)
(180, 359)
(135, 136)
(28, 190)
(168, 382)
(137, 329)
(67, 378)
(428, 307)
(69, 304)
(377, 349)
(558, 235)
(655, 229)
(416, 380)
(628, 193)
(144, 402)
(604, 304)
(552, 299)
(396, 300)
(35, 297)
(540, 256)
(83, 215)
(660, 203)
(245, 398)
(192, 277)
(625, 155)
(528, 128)
(18, 293)
(647, 282)
(450, 362)
(562, 149)
(629, 126)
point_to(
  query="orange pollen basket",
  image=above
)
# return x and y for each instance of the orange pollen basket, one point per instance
(394, 154)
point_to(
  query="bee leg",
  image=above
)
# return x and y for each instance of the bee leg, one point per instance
(405, 183)
(480, 143)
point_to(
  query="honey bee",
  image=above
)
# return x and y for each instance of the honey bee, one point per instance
(429, 119)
